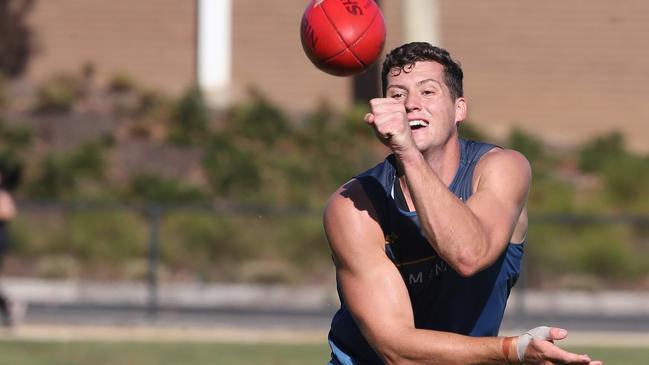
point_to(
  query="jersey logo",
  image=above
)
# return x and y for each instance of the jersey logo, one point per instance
(424, 275)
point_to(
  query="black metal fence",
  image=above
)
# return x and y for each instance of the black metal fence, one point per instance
(152, 221)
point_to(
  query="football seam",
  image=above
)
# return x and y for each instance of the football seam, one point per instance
(376, 13)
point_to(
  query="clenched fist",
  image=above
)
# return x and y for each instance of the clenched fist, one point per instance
(389, 121)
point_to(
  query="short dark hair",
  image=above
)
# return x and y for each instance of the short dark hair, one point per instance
(409, 53)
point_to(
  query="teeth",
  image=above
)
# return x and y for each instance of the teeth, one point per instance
(418, 123)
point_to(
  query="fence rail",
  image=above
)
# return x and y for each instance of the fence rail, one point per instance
(153, 214)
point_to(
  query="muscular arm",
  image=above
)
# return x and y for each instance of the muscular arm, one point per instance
(470, 236)
(378, 299)
(376, 294)
(7, 206)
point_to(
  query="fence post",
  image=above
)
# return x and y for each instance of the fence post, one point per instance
(521, 292)
(153, 213)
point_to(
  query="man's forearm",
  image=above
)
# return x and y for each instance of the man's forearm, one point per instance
(450, 226)
(425, 347)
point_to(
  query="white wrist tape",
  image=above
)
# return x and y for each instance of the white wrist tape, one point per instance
(539, 333)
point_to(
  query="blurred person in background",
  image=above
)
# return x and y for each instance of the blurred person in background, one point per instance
(7, 213)
(428, 244)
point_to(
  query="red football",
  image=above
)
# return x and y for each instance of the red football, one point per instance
(342, 37)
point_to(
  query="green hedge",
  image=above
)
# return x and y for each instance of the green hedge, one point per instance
(257, 154)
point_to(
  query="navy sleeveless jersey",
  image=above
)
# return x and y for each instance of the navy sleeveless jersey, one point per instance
(441, 299)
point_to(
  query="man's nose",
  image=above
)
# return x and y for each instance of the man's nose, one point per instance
(412, 102)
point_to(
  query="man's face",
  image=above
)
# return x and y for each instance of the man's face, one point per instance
(432, 114)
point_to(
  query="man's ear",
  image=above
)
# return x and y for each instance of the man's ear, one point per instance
(460, 109)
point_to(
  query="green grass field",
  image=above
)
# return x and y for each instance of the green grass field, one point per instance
(13, 352)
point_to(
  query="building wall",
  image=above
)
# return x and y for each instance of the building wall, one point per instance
(267, 55)
(151, 40)
(566, 70)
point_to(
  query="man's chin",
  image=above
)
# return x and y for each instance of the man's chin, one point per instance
(424, 144)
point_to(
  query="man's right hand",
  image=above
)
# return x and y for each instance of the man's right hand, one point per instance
(537, 347)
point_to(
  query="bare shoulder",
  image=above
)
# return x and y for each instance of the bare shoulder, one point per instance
(7, 206)
(350, 220)
(504, 161)
(348, 199)
(503, 168)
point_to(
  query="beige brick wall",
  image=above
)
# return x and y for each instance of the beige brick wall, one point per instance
(567, 70)
(394, 25)
(152, 40)
(268, 55)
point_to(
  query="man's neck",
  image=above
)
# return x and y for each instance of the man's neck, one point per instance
(443, 160)
(444, 163)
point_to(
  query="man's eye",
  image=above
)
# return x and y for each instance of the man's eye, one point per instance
(396, 96)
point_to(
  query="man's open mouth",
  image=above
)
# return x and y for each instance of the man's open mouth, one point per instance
(418, 123)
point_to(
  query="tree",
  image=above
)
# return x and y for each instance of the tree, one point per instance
(15, 37)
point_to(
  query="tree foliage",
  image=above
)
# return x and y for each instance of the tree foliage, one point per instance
(16, 40)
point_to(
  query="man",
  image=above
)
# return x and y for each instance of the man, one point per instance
(7, 213)
(428, 244)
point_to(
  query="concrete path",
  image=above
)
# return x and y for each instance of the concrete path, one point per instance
(86, 310)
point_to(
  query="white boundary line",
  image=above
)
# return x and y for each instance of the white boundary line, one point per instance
(161, 334)
(238, 335)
